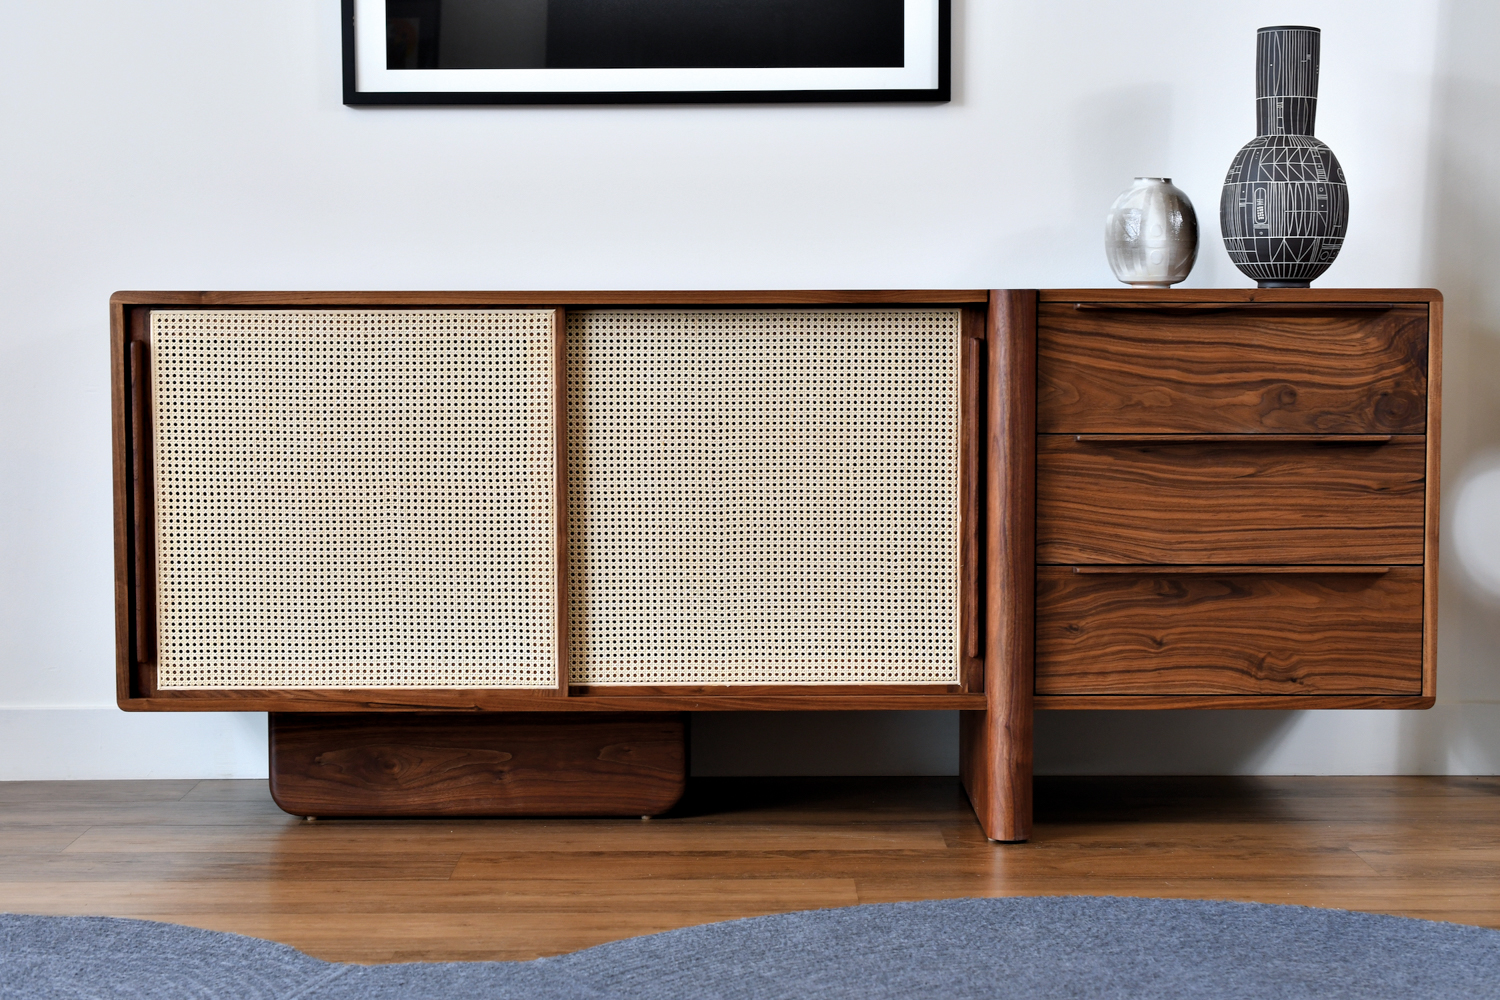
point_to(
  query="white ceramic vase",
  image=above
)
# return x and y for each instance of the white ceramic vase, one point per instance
(1151, 234)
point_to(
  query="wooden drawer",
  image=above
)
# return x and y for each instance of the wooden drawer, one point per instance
(1177, 631)
(1239, 499)
(1231, 368)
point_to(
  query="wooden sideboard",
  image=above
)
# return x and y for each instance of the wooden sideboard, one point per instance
(1217, 499)
(1165, 499)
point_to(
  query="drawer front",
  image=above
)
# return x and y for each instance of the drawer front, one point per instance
(1238, 501)
(1230, 371)
(1231, 634)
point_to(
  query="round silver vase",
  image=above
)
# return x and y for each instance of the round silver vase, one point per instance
(1151, 234)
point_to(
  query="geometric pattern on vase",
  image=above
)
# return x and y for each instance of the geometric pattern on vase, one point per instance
(1285, 204)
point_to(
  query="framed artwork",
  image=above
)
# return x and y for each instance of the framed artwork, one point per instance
(644, 51)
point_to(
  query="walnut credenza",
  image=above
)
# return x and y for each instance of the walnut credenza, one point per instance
(479, 553)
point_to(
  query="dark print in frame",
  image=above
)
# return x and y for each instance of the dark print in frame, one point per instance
(404, 52)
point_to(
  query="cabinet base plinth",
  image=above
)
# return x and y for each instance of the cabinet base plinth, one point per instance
(446, 764)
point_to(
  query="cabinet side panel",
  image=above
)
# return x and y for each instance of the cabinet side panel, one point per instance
(1434, 498)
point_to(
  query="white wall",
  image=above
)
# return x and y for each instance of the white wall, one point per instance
(182, 144)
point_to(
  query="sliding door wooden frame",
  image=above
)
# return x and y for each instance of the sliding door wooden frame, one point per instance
(136, 688)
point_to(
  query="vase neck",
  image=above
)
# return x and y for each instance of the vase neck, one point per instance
(1286, 80)
(1285, 115)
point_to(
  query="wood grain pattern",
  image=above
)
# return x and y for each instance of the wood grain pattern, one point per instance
(755, 690)
(1223, 503)
(784, 699)
(1185, 308)
(1147, 297)
(552, 837)
(553, 299)
(219, 854)
(995, 745)
(1185, 397)
(1230, 633)
(1218, 702)
(425, 764)
(1242, 440)
(1231, 570)
(1232, 371)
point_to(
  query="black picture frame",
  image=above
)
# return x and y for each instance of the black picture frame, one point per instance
(423, 30)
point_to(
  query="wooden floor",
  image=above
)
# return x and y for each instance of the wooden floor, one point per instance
(219, 854)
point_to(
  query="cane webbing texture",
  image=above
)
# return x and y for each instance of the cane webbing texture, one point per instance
(355, 499)
(763, 496)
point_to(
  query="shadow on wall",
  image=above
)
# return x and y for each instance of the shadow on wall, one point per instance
(1463, 259)
(1167, 742)
(738, 744)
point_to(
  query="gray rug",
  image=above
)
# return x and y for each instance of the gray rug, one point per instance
(1063, 947)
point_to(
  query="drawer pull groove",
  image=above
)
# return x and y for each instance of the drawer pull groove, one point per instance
(1231, 570)
(1233, 307)
(1240, 439)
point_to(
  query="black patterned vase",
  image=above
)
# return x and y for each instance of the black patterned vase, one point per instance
(1285, 205)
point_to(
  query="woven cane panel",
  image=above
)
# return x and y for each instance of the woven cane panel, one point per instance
(355, 499)
(763, 496)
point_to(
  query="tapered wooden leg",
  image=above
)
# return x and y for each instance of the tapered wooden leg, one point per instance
(995, 744)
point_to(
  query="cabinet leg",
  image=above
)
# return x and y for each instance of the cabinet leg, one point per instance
(995, 765)
(995, 751)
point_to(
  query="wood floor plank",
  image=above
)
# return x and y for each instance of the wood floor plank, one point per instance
(1427, 861)
(1061, 861)
(21, 793)
(413, 897)
(1206, 860)
(38, 838)
(290, 836)
(182, 812)
(210, 867)
(673, 865)
(220, 855)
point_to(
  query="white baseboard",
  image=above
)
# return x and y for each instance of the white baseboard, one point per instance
(1461, 738)
(46, 744)
(105, 743)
